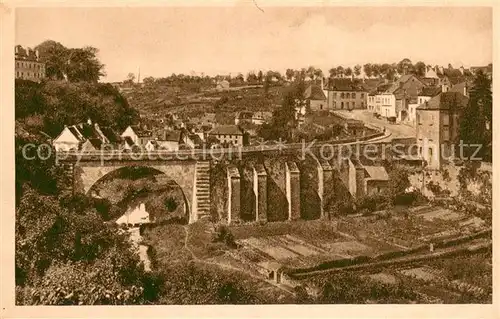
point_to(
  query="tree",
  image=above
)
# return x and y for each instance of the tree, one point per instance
(148, 81)
(404, 66)
(130, 78)
(367, 68)
(357, 70)
(318, 74)
(450, 67)
(348, 71)
(340, 71)
(332, 72)
(375, 70)
(420, 69)
(390, 73)
(398, 181)
(310, 72)
(251, 77)
(83, 65)
(260, 76)
(289, 74)
(476, 121)
(54, 55)
(74, 65)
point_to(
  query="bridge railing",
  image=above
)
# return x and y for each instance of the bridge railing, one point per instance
(110, 154)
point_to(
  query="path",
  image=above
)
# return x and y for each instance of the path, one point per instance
(396, 130)
(228, 267)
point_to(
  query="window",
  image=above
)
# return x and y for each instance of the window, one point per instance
(362, 105)
(353, 104)
(362, 95)
(17, 64)
(353, 95)
(334, 95)
(342, 105)
(342, 95)
(446, 133)
(446, 119)
(17, 73)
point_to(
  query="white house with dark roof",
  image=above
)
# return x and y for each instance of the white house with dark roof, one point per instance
(84, 136)
(316, 98)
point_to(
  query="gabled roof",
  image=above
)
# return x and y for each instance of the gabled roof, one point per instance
(141, 132)
(430, 91)
(402, 80)
(377, 173)
(169, 135)
(446, 101)
(338, 84)
(314, 92)
(226, 130)
(459, 87)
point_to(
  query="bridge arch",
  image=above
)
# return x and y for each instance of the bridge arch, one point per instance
(182, 173)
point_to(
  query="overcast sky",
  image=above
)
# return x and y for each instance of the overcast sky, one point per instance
(166, 40)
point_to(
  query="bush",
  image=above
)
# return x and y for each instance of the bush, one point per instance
(223, 234)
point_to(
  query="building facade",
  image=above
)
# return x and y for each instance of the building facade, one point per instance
(437, 127)
(346, 94)
(28, 65)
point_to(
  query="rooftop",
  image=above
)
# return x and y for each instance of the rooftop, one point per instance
(446, 101)
(226, 130)
(314, 92)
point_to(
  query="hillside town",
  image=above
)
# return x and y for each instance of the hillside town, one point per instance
(364, 183)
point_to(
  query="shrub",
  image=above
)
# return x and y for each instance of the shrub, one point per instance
(223, 234)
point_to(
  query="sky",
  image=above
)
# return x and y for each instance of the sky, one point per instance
(243, 37)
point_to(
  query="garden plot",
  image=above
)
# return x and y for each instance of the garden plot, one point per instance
(443, 214)
(420, 273)
(348, 249)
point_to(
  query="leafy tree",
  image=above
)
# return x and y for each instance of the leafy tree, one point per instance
(398, 181)
(75, 64)
(340, 70)
(148, 81)
(260, 76)
(130, 78)
(367, 68)
(404, 66)
(251, 77)
(54, 55)
(375, 68)
(348, 71)
(420, 68)
(332, 72)
(289, 74)
(476, 120)
(318, 74)
(357, 70)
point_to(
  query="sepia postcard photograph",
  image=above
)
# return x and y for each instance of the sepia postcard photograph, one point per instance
(248, 153)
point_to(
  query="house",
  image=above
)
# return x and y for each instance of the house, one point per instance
(394, 101)
(192, 140)
(243, 117)
(137, 135)
(261, 117)
(346, 94)
(425, 94)
(438, 126)
(28, 64)
(84, 136)
(229, 134)
(462, 87)
(366, 179)
(315, 98)
(222, 85)
(168, 140)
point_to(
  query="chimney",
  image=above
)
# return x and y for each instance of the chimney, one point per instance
(37, 53)
(16, 48)
(441, 70)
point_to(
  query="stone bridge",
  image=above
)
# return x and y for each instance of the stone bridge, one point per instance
(258, 187)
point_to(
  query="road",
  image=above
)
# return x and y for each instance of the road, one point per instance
(396, 130)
